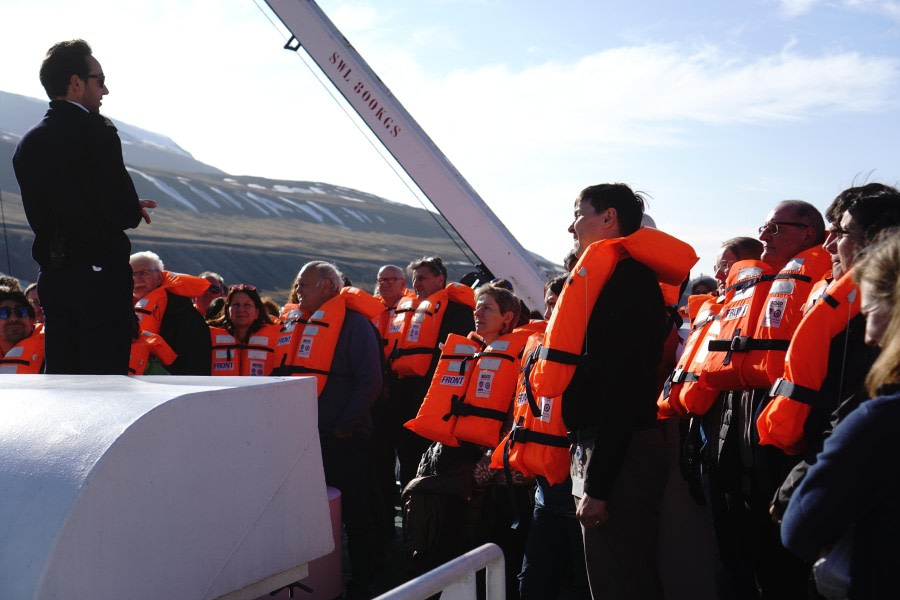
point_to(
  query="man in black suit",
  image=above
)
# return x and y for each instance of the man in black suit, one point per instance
(79, 199)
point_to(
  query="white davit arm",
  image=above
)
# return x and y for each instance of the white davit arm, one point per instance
(422, 160)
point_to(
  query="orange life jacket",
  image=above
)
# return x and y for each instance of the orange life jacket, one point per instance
(449, 384)
(745, 290)
(383, 320)
(781, 422)
(669, 258)
(26, 357)
(313, 338)
(704, 326)
(537, 444)
(412, 334)
(476, 410)
(146, 345)
(256, 358)
(756, 331)
(151, 308)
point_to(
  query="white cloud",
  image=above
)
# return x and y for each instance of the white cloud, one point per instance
(795, 8)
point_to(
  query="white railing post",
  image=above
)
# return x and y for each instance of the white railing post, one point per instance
(457, 578)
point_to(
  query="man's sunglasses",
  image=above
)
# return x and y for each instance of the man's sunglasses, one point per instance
(7, 311)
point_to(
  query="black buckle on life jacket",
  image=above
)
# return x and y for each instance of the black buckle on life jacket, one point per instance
(681, 376)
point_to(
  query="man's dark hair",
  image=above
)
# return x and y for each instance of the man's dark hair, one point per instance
(744, 248)
(62, 61)
(17, 296)
(555, 284)
(809, 214)
(629, 205)
(874, 206)
(434, 264)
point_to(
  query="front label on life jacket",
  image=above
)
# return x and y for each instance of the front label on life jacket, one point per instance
(522, 398)
(774, 312)
(396, 324)
(305, 346)
(485, 383)
(453, 380)
(546, 409)
(284, 340)
(735, 312)
(225, 365)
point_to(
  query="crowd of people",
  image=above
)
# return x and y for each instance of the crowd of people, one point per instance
(487, 420)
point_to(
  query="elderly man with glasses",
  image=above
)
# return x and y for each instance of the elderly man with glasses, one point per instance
(163, 306)
(762, 309)
(79, 200)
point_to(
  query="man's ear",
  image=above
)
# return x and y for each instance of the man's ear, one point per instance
(611, 216)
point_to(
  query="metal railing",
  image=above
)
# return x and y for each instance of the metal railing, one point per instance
(456, 579)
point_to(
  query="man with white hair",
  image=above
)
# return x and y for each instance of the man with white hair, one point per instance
(345, 401)
(164, 306)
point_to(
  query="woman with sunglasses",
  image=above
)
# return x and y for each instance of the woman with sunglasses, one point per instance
(244, 336)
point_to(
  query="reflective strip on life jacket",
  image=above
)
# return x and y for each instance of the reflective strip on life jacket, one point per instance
(781, 422)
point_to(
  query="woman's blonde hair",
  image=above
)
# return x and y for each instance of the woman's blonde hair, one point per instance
(879, 266)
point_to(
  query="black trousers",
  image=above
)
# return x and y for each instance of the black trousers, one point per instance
(346, 464)
(88, 319)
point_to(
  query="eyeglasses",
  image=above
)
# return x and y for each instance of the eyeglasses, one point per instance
(774, 225)
(7, 311)
(725, 265)
(501, 283)
(214, 289)
(101, 79)
(388, 280)
(243, 287)
(144, 273)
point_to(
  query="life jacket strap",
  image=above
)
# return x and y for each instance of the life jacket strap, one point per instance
(462, 409)
(524, 436)
(745, 343)
(561, 356)
(14, 361)
(794, 391)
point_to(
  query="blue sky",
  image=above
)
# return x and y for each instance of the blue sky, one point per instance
(717, 110)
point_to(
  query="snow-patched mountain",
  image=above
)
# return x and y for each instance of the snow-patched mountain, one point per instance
(249, 229)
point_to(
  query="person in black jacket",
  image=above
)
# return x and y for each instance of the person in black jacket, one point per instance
(78, 200)
(609, 407)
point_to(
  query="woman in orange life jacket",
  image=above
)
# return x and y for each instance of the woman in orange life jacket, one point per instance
(446, 474)
(244, 335)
